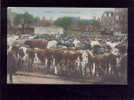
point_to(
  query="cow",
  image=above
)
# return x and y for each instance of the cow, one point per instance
(25, 56)
(46, 58)
(122, 72)
(104, 64)
(84, 61)
(76, 43)
(37, 43)
(52, 44)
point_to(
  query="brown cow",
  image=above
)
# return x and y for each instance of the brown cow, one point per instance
(37, 43)
(104, 63)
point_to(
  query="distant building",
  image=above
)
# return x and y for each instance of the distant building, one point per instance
(86, 28)
(107, 21)
(53, 30)
(121, 20)
(45, 23)
(115, 21)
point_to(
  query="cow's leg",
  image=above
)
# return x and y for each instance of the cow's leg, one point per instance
(49, 64)
(83, 68)
(24, 66)
(89, 66)
(55, 67)
(30, 64)
(78, 67)
(11, 77)
(93, 70)
(118, 66)
(100, 71)
(46, 64)
(109, 69)
(80, 70)
(55, 70)
(24, 62)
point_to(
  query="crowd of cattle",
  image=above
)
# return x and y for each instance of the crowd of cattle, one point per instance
(104, 57)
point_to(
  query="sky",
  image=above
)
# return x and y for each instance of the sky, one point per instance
(55, 12)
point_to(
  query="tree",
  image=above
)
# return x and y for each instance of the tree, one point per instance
(28, 19)
(64, 22)
(18, 19)
(25, 19)
(36, 20)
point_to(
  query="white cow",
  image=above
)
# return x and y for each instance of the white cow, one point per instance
(36, 59)
(84, 61)
(93, 43)
(76, 43)
(114, 50)
(112, 45)
(25, 53)
(52, 44)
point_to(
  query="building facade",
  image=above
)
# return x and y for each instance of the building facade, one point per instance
(115, 21)
(121, 20)
(107, 21)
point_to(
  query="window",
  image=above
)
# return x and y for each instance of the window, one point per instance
(117, 17)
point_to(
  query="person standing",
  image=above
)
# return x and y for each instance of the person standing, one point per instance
(11, 63)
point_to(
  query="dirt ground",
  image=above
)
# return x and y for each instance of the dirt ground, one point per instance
(36, 78)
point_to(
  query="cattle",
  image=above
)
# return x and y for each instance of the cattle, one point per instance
(76, 43)
(60, 60)
(84, 61)
(47, 57)
(94, 43)
(70, 61)
(52, 44)
(36, 43)
(103, 64)
(25, 57)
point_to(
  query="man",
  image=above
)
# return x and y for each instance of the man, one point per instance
(11, 63)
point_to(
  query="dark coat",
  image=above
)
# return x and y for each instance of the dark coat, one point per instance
(11, 62)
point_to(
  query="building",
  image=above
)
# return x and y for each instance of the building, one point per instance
(121, 20)
(115, 21)
(107, 21)
(53, 30)
(87, 28)
(45, 22)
